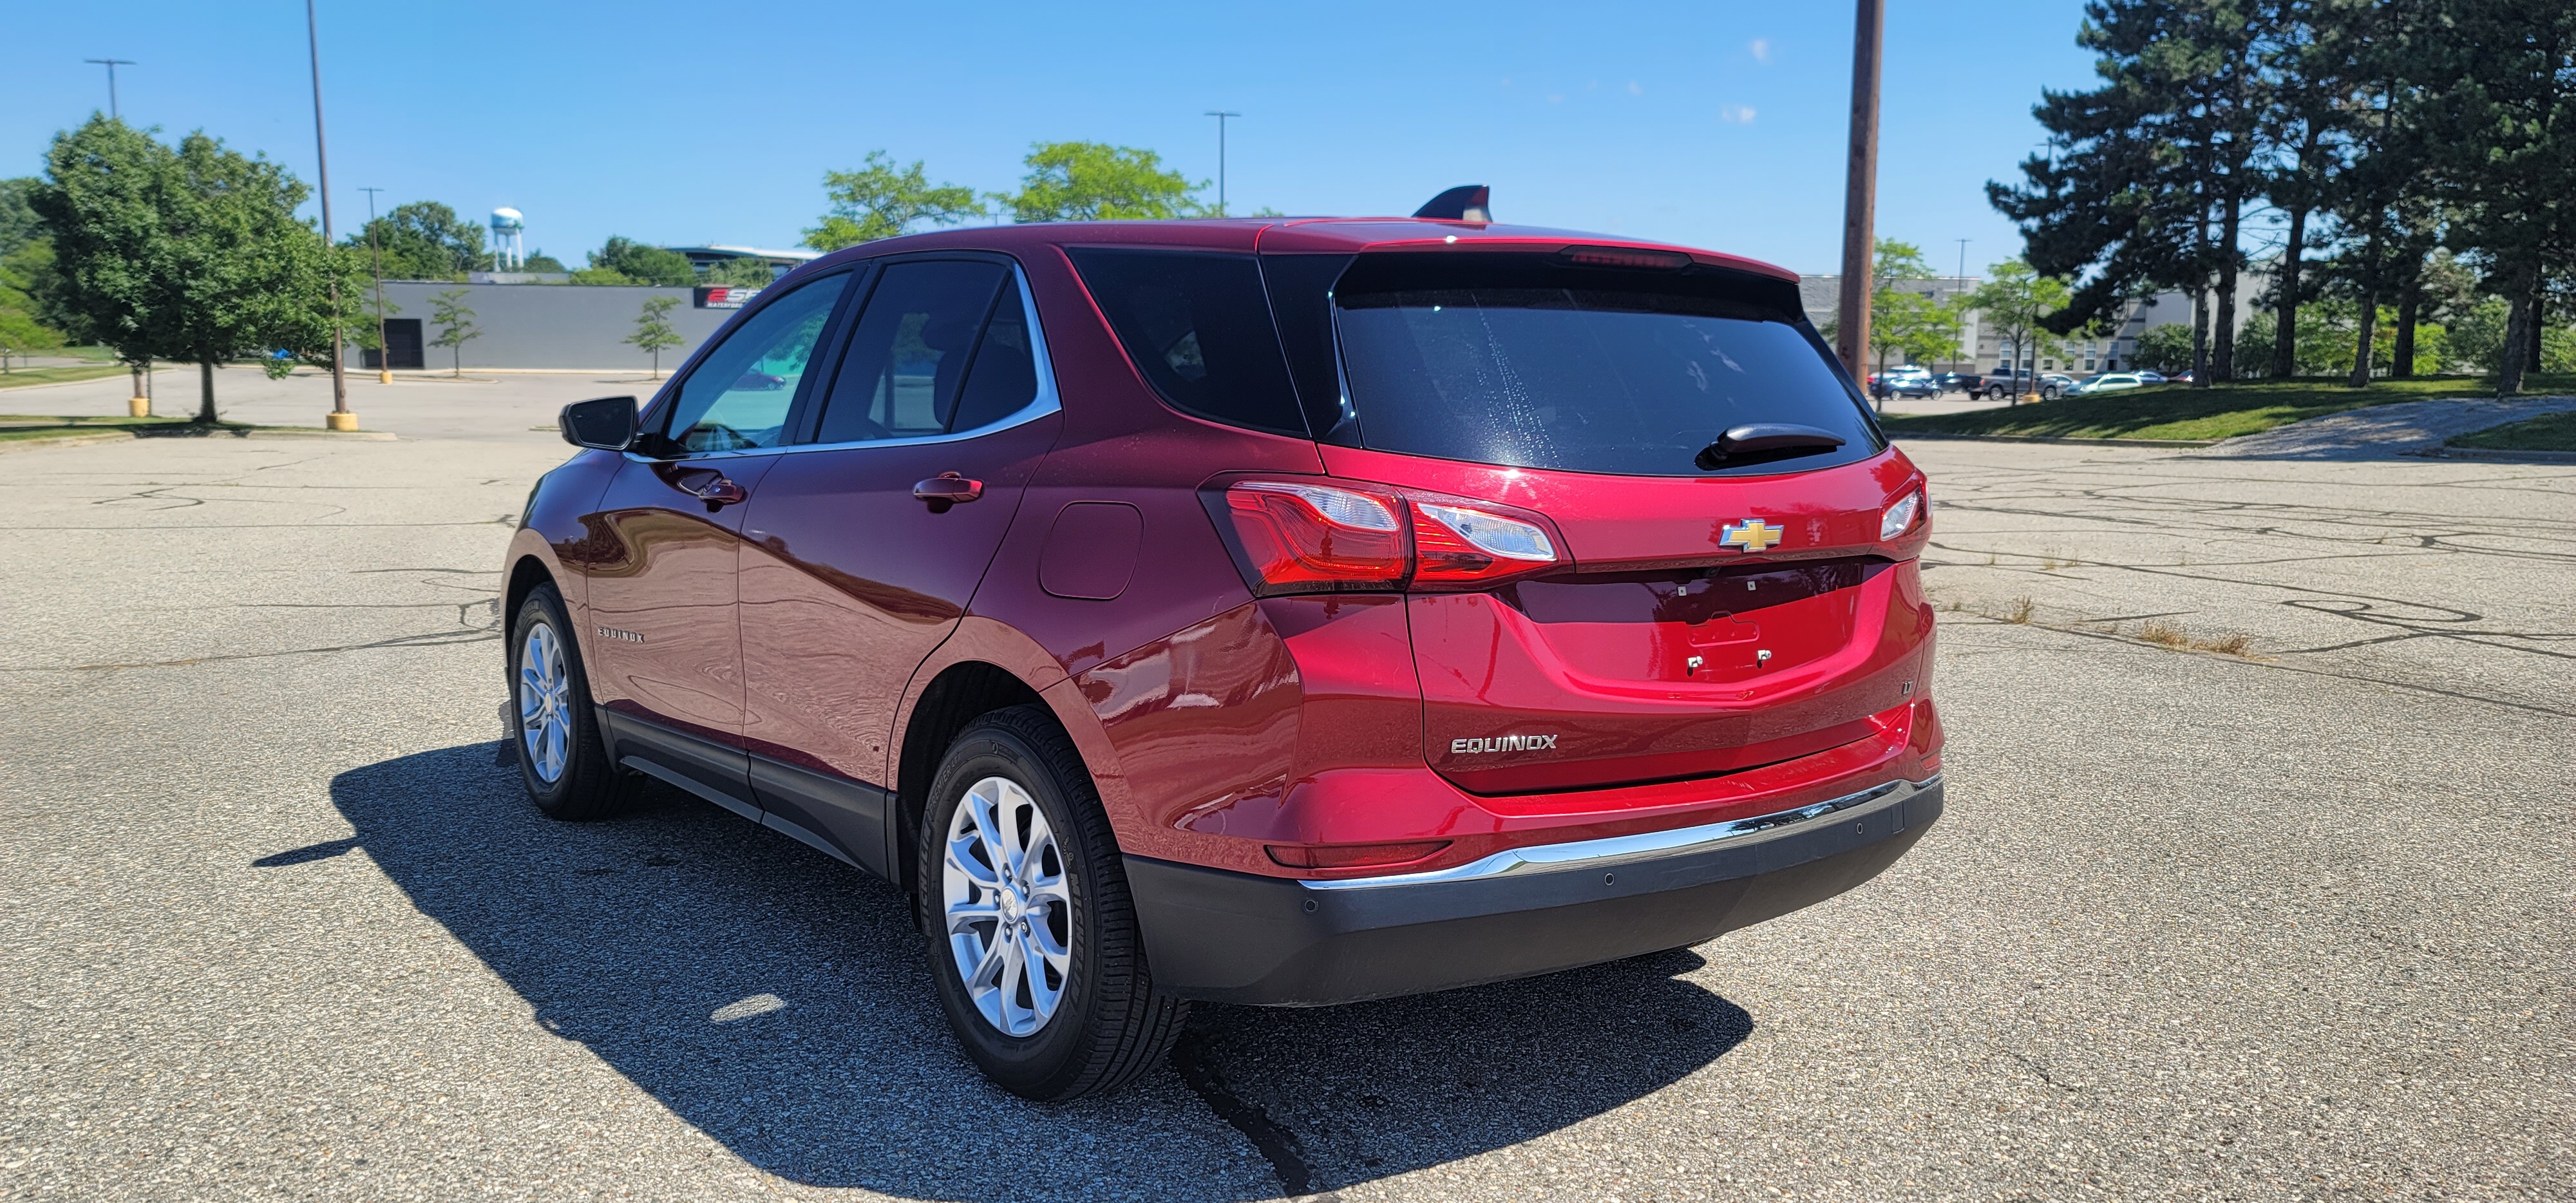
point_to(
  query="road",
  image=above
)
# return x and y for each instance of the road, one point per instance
(2287, 924)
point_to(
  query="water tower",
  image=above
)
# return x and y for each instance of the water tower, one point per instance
(508, 253)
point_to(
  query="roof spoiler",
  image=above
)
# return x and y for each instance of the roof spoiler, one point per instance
(1466, 202)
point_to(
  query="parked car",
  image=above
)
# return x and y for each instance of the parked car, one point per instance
(2146, 377)
(2047, 386)
(1961, 382)
(1904, 382)
(2107, 382)
(1175, 611)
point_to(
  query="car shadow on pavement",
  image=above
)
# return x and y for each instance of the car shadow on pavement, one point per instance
(778, 1001)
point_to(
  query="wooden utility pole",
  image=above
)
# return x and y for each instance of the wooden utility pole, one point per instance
(339, 418)
(1860, 191)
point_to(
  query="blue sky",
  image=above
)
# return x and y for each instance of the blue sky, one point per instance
(1717, 125)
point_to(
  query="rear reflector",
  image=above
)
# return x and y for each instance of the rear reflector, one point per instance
(1352, 856)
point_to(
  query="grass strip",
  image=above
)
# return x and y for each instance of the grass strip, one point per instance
(2548, 432)
(24, 376)
(2177, 411)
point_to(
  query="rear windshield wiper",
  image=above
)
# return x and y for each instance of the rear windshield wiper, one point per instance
(1762, 442)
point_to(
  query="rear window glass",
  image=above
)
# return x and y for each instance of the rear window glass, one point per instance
(1525, 361)
(1198, 327)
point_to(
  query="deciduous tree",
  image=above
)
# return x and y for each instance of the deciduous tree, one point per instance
(632, 262)
(881, 200)
(654, 333)
(456, 326)
(1092, 181)
(2015, 302)
(193, 254)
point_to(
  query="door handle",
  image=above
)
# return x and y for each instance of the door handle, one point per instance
(947, 489)
(721, 492)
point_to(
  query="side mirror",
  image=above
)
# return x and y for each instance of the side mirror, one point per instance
(606, 423)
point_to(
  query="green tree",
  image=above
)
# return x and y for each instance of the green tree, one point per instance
(653, 331)
(2165, 348)
(539, 261)
(22, 326)
(2500, 149)
(193, 254)
(456, 326)
(750, 273)
(425, 240)
(2148, 180)
(2015, 303)
(633, 262)
(881, 200)
(1907, 323)
(19, 224)
(1093, 181)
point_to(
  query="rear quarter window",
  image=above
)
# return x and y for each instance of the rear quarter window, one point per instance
(1527, 361)
(1197, 325)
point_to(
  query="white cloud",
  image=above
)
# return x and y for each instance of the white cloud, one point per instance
(1736, 114)
(1634, 90)
(1761, 48)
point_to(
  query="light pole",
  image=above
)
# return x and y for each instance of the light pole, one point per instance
(339, 418)
(111, 64)
(384, 353)
(1220, 115)
(1960, 285)
(1860, 188)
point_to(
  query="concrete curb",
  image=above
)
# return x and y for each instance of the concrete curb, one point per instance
(1903, 435)
(2501, 456)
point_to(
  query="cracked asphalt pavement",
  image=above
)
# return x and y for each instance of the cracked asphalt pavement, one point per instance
(2291, 924)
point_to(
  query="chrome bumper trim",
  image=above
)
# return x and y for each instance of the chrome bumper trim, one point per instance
(1619, 849)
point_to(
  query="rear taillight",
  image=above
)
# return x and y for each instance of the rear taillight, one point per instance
(1294, 537)
(1310, 535)
(1900, 517)
(1457, 545)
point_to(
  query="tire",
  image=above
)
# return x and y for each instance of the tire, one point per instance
(563, 760)
(1106, 1023)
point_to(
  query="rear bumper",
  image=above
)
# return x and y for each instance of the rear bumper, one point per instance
(1242, 938)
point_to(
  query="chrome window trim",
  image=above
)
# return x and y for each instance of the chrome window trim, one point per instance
(1620, 849)
(1046, 402)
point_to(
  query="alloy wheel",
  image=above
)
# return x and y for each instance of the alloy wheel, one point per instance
(545, 703)
(1009, 912)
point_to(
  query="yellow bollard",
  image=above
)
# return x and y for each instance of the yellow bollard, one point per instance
(138, 407)
(340, 420)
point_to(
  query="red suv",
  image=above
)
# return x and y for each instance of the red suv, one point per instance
(1265, 611)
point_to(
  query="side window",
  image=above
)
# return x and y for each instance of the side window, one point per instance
(909, 351)
(1198, 327)
(738, 395)
(1004, 378)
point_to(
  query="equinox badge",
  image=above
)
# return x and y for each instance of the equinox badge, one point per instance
(1504, 743)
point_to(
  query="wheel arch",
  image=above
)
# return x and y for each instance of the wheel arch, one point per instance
(526, 573)
(958, 695)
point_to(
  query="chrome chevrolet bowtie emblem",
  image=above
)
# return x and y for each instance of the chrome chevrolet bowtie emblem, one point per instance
(1752, 534)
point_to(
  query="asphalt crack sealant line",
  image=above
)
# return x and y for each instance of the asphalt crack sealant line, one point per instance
(1277, 1145)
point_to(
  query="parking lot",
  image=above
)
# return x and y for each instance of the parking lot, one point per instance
(2255, 883)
